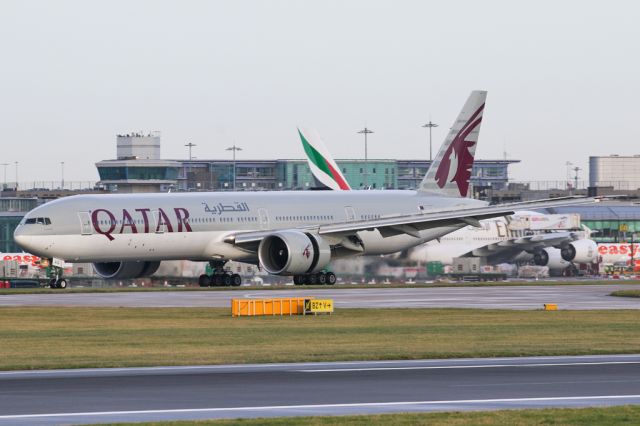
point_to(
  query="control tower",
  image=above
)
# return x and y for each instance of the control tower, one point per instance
(139, 146)
(138, 167)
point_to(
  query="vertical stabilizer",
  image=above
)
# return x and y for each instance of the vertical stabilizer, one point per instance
(450, 172)
(322, 165)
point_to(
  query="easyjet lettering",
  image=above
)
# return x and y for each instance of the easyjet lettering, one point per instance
(621, 249)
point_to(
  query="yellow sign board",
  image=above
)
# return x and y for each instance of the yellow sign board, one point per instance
(315, 306)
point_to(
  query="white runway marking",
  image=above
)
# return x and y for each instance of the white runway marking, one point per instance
(318, 406)
(442, 367)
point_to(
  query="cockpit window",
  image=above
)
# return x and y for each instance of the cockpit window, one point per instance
(38, 220)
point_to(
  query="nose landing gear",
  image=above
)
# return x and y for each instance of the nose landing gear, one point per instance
(58, 283)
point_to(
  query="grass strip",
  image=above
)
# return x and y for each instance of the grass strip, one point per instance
(59, 337)
(626, 293)
(602, 416)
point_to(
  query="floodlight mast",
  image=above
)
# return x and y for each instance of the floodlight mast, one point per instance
(430, 126)
(234, 148)
(366, 132)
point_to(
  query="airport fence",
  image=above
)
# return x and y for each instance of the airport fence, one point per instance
(50, 185)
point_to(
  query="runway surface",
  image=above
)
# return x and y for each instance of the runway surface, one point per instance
(525, 297)
(231, 391)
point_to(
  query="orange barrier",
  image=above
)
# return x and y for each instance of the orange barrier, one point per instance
(280, 306)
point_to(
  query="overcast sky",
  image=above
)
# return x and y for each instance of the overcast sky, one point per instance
(563, 79)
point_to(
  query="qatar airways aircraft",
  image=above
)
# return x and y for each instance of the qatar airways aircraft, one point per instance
(294, 233)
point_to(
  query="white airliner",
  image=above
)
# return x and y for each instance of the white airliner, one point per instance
(498, 242)
(554, 241)
(286, 232)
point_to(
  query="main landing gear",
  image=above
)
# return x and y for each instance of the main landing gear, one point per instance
(219, 277)
(320, 278)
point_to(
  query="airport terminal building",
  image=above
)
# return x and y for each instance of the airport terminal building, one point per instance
(139, 168)
(294, 174)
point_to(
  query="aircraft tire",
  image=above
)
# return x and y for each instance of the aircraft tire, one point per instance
(298, 279)
(322, 278)
(331, 278)
(52, 283)
(204, 280)
(236, 280)
(217, 280)
(313, 279)
(62, 283)
(226, 279)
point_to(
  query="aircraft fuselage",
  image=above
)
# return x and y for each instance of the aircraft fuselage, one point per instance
(193, 226)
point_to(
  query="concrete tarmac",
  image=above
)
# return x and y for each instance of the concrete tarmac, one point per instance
(520, 297)
(232, 391)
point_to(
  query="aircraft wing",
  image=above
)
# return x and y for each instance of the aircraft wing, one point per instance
(512, 247)
(410, 224)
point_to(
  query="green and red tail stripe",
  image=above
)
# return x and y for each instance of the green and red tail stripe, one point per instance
(324, 165)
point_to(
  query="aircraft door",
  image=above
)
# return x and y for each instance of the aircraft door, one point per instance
(264, 219)
(351, 213)
(85, 223)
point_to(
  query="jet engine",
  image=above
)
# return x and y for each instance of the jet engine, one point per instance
(550, 257)
(580, 251)
(125, 270)
(293, 253)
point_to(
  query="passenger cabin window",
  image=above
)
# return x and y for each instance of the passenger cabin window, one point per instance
(38, 220)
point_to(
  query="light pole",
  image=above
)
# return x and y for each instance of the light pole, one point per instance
(62, 175)
(575, 185)
(186, 172)
(366, 132)
(234, 148)
(4, 182)
(430, 126)
(16, 163)
(567, 165)
(190, 145)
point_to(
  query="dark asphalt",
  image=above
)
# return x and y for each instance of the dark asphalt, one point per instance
(525, 297)
(166, 393)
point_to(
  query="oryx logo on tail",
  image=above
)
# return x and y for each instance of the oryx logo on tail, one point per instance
(450, 171)
(458, 159)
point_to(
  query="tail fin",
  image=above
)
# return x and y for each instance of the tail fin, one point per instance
(450, 172)
(323, 167)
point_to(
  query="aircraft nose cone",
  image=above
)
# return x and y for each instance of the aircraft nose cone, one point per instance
(21, 239)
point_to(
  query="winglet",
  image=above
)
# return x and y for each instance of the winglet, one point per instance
(323, 167)
(450, 172)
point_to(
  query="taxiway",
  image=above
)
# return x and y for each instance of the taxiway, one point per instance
(489, 297)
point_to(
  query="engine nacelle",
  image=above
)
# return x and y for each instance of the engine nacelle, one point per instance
(581, 251)
(125, 270)
(293, 253)
(550, 257)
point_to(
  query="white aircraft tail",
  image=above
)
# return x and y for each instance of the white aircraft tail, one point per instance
(450, 172)
(322, 165)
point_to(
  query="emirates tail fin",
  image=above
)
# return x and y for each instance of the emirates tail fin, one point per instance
(322, 165)
(450, 172)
